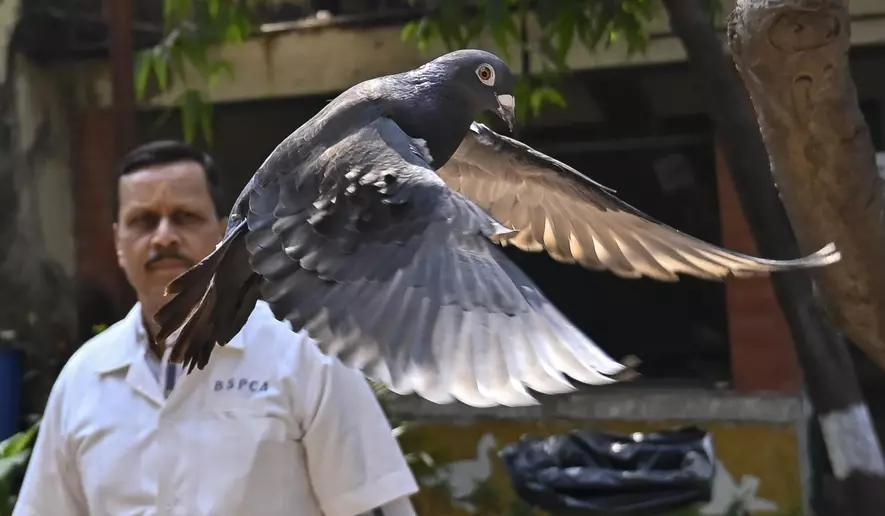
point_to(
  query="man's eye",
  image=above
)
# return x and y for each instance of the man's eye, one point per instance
(143, 221)
(184, 217)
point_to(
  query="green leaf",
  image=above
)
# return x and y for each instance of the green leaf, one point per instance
(161, 69)
(449, 24)
(550, 95)
(168, 8)
(427, 31)
(176, 60)
(497, 15)
(175, 11)
(214, 6)
(522, 92)
(14, 455)
(410, 31)
(197, 53)
(9, 465)
(564, 35)
(142, 72)
(196, 116)
(233, 33)
(218, 69)
(18, 443)
(535, 102)
(238, 26)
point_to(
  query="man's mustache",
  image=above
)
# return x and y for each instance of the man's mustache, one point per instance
(167, 254)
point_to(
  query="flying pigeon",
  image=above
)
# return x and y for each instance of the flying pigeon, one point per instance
(375, 226)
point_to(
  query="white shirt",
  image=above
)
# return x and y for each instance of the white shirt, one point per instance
(270, 426)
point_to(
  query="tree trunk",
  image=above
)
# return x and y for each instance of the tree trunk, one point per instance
(119, 21)
(827, 367)
(793, 57)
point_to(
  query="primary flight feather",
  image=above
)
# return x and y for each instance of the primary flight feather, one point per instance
(375, 225)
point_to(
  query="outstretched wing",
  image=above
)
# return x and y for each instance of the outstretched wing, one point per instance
(557, 209)
(388, 269)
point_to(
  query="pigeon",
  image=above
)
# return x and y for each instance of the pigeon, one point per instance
(377, 227)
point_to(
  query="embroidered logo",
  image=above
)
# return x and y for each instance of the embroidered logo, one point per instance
(240, 384)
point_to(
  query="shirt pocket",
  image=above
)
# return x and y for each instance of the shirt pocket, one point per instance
(248, 424)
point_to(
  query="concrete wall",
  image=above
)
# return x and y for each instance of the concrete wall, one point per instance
(41, 139)
(47, 183)
(759, 443)
(323, 57)
(9, 11)
(37, 314)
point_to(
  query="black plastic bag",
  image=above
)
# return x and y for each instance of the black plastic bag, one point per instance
(588, 472)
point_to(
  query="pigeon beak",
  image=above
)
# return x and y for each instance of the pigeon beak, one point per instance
(506, 110)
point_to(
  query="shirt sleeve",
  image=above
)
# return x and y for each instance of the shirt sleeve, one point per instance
(354, 462)
(399, 507)
(52, 482)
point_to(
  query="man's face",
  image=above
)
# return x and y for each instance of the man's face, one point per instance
(166, 223)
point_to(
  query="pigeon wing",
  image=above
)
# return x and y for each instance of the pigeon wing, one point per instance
(363, 245)
(556, 209)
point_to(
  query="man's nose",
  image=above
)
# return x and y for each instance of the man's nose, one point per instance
(166, 234)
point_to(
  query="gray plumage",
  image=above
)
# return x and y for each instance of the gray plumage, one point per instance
(374, 227)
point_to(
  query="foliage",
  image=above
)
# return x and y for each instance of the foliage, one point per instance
(457, 23)
(544, 52)
(193, 29)
(14, 454)
(561, 24)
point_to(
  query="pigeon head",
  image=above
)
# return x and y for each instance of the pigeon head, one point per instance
(438, 101)
(481, 78)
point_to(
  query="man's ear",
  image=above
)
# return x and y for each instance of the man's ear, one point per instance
(116, 229)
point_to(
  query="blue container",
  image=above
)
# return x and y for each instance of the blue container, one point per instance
(10, 391)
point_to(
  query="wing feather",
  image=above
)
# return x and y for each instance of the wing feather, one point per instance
(393, 272)
(556, 209)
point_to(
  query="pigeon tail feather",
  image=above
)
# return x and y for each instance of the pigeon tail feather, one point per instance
(213, 301)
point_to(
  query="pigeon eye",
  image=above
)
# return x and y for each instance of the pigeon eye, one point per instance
(486, 74)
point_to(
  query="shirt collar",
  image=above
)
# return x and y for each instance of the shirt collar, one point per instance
(131, 340)
(125, 348)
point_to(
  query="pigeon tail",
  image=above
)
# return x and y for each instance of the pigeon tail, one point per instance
(212, 302)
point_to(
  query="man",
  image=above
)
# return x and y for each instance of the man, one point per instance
(270, 426)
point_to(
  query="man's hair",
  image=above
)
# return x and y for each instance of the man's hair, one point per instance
(163, 152)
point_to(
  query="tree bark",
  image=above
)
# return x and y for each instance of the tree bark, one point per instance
(828, 371)
(793, 57)
(119, 20)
